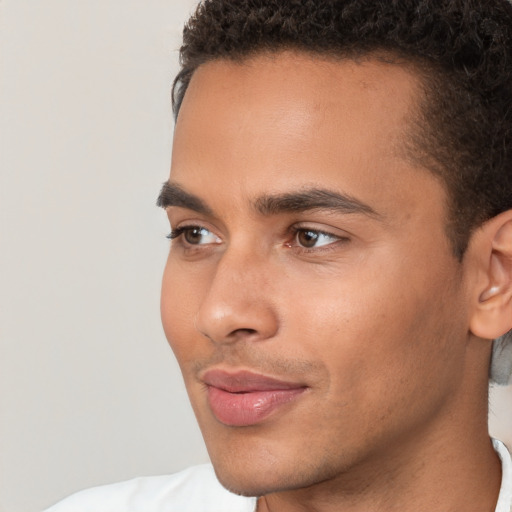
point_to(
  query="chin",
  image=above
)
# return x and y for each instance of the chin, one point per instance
(245, 475)
(251, 483)
(248, 476)
(249, 490)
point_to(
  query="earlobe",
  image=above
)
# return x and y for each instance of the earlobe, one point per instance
(492, 315)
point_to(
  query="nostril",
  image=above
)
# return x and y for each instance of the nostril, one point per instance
(243, 332)
(233, 336)
(226, 322)
(247, 331)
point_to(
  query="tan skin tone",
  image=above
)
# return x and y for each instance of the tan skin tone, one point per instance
(365, 307)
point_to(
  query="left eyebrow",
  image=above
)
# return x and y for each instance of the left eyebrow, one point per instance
(312, 199)
(173, 195)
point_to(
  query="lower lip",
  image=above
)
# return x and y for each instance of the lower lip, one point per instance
(244, 409)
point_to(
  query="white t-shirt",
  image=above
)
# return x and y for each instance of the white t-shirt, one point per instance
(197, 490)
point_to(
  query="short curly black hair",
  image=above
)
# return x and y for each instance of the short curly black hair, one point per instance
(461, 49)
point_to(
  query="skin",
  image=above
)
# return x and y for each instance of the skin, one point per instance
(373, 319)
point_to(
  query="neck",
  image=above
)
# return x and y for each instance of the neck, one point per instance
(442, 473)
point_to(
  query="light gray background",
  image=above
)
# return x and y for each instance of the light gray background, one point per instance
(89, 391)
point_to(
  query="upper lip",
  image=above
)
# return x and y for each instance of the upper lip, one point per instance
(244, 381)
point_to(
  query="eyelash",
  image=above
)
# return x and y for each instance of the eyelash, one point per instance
(177, 232)
(294, 232)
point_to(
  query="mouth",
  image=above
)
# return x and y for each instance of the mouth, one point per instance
(244, 398)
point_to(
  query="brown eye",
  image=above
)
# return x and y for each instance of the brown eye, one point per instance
(314, 239)
(194, 236)
(307, 238)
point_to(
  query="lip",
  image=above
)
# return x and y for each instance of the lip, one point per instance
(245, 398)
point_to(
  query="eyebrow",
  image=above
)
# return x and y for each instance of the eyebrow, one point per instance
(173, 194)
(312, 199)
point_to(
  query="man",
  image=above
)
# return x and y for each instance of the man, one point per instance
(340, 202)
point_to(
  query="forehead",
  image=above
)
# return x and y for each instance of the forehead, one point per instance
(292, 119)
(299, 84)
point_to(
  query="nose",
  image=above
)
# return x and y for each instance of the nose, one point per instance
(238, 304)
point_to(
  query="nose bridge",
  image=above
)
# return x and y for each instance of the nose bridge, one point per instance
(238, 303)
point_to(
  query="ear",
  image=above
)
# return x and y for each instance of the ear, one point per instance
(492, 314)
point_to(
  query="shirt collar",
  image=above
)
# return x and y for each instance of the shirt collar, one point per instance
(505, 498)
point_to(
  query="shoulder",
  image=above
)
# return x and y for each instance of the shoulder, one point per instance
(192, 490)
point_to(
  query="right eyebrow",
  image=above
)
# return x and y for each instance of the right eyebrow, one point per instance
(173, 195)
(313, 199)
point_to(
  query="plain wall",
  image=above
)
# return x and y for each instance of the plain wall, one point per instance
(89, 390)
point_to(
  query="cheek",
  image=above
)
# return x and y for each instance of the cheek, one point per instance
(180, 297)
(378, 323)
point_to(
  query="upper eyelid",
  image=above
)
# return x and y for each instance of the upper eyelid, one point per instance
(180, 230)
(193, 223)
(317, 230)
(332, 236)
(180, 217)
(196, 218)
(292, 229)
(329, 231)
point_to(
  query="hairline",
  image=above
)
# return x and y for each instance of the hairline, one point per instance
(414, 142)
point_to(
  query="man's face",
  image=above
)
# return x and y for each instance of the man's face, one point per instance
(310, 295)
